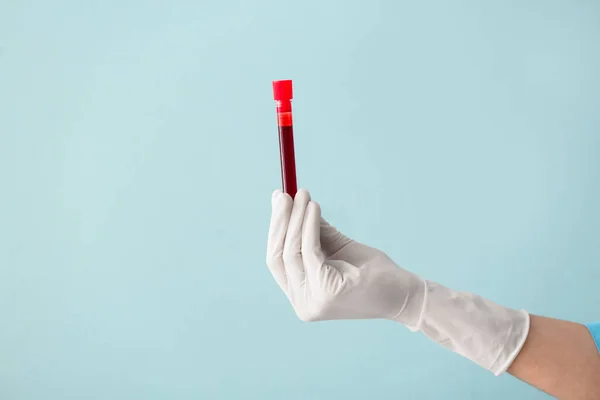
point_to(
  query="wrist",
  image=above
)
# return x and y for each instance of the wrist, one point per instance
(410, 311)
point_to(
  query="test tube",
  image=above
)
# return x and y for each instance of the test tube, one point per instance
(282, 93)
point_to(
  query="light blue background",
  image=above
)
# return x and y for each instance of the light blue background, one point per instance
(138, 152)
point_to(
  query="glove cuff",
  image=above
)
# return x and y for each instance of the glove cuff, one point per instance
(488, 334)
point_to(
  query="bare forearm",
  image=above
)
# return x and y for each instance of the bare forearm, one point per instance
(560, 358)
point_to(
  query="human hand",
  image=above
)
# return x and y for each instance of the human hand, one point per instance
(327, 276)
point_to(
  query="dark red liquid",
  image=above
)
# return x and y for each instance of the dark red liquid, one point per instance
(288, 160)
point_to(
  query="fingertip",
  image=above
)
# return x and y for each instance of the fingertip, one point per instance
(315, 207)
(275, 194)
(281, 199)
(286, 200)
(311, 242)
(311, 225)
(302, 196)
(286, 197)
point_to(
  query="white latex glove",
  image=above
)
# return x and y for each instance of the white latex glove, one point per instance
(328, 276)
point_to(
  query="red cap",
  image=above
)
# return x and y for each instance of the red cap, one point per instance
(282, 90)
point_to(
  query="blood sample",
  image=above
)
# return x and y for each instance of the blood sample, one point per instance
(282, 93)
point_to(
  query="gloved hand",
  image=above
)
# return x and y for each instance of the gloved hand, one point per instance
(328, 276)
